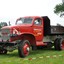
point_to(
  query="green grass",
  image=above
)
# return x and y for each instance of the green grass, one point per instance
(13, 58)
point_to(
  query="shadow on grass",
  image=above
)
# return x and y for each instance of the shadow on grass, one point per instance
(32, 53)
(42, 51)
(10, 54)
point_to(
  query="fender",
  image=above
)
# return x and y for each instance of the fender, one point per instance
(28, 36)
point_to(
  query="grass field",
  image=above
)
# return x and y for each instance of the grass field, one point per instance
(13, 58)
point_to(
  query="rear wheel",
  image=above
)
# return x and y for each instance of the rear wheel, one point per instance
(62, 44)
(59, 44)
(24, 48)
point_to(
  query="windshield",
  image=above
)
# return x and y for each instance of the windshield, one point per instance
(24, 21)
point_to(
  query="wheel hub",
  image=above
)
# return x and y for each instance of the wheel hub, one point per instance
(28, 49)
(62, 45)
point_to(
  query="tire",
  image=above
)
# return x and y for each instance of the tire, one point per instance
(59, 44)
(24, 48)
(3, 51)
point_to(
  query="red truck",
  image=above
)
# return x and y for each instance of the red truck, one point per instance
(31, 31)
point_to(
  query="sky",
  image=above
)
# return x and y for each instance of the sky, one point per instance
(10, 10)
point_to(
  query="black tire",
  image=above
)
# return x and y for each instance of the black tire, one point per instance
(3, 51)
(57, 44)
(23, 52)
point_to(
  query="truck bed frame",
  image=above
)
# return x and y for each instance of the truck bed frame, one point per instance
(52, 30)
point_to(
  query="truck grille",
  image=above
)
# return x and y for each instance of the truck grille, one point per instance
(5, 34)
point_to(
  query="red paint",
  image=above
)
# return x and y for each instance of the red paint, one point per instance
(31, 32)
(25, 49)
(62, 45)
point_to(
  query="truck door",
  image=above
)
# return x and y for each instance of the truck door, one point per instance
(38, 29)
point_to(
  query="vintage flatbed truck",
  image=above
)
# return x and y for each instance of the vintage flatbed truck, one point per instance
(31, 31)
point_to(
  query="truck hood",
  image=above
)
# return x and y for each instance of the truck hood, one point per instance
(17, 26)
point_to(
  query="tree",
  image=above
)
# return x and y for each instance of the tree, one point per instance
(59, 9)
(3, 24)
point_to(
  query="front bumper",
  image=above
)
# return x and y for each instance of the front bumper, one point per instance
(7, 44)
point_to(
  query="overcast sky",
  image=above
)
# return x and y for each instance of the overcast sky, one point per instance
(10, 10)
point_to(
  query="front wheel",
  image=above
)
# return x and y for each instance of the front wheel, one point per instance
(3, 51)
(24, 48)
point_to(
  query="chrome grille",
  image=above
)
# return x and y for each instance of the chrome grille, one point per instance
(5, 34)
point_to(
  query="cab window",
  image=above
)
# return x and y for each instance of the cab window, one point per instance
(38, 22)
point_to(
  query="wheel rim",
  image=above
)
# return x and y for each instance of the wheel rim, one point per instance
(62, 45)
(26, 49)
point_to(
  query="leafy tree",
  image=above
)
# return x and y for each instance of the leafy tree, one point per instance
(3, 24)
(59, 9)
